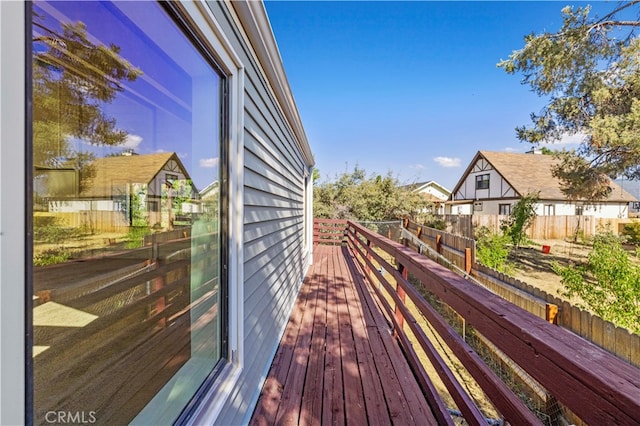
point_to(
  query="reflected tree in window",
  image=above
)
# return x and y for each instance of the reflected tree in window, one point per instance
(72, 79)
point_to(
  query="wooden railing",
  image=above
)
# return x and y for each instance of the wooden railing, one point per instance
(617, 340)
(592, 383)
(139, 337)
(329, 231)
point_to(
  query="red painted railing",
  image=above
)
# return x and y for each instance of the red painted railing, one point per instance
(329, 231)
(593, 384)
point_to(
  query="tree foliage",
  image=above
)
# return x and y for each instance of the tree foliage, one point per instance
(609, 283)
(520, 218)
(590, 71)
(72, 80)
(358, 196)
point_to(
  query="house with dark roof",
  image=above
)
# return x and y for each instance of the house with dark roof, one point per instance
(494, 181)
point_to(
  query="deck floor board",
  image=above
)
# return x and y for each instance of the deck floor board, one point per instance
(337, 362)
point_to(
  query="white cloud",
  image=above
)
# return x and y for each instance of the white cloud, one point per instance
(567, 139)
(417, 166)
(132, 141)
(209, 163)
(447, 161)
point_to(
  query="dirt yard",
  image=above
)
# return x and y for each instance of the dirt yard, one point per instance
(535, 267)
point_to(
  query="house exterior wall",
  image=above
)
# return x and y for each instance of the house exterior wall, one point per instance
(269, 197)
(275, 256)
(432, 190)
(498, 187)
(546, 208)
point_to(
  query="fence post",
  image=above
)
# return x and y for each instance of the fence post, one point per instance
(401, 294)
(551, 313)
(439, 243)
(419, 232)
(467, 260)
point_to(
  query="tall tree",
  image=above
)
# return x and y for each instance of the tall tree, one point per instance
(72, 80)
(590, 71)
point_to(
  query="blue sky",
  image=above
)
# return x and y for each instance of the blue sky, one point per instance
(410, 88)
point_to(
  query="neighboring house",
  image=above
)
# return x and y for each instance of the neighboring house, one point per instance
(212, 83)
(117, 182)
(433, 192)
(633, 188)
(494, 181)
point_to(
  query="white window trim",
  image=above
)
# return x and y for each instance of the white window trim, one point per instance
(213, 37)
(13, 355)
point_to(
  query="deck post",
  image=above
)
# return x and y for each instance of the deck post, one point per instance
(368, 257)
(161, 302)
(401, 294)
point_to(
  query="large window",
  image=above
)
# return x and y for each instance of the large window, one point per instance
(129, 291)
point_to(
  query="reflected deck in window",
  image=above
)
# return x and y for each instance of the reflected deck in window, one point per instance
(128, 311)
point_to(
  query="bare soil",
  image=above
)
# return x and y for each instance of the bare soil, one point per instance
(535, 267)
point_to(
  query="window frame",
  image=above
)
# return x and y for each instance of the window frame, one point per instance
(201, 28)
(15, 395)
(205, 407)
(504, 205)
(549, 210)
(480, 181)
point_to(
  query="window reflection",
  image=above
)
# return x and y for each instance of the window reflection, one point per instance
(126, 238)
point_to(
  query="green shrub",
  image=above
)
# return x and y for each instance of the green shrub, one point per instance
(492, 249)
(632, 232)
(51, 257)
(436, 224)
(609, 283)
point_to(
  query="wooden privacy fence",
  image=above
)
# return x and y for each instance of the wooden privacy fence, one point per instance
(605, 334)
(542, 227)
(459, 250)
(594, 384)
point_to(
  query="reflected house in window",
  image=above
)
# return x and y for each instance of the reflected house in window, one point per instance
(153, 187)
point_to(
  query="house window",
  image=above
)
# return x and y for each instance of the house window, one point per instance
(579, 210)
(477, 206)
(504, 209)
(549, 210)
(129, 314)
(482, 181)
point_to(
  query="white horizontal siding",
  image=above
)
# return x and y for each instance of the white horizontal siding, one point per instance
(273, 235)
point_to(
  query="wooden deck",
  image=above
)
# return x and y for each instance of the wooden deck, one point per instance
(338, 362)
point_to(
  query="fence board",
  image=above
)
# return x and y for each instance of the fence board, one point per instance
(634, 347)
(609, 336)
(597, 331)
